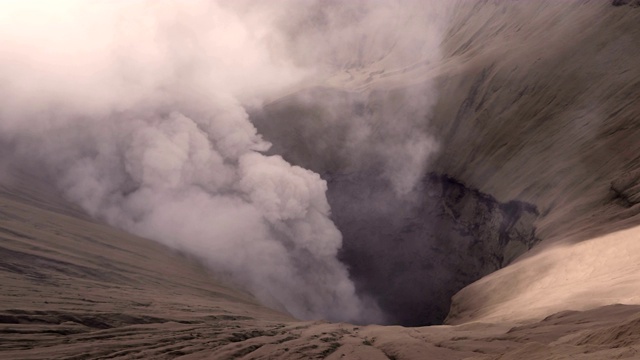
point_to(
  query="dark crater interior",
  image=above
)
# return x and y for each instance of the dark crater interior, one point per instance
(413, 255)
(410, 253)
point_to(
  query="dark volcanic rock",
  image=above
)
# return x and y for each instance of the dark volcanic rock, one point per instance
(620, 2)
(413, 255)
(632, 3)
(626, 189)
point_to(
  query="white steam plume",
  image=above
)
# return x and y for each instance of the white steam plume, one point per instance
(136, 110)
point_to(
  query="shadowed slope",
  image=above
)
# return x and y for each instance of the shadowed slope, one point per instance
(540, 105)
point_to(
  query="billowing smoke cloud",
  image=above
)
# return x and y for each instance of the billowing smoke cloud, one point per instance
(360, 50)
(137, 111)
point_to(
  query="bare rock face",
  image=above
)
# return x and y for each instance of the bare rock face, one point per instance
(412, 255)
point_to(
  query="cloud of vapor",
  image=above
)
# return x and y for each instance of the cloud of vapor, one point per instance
(137, 111)
(358, 44)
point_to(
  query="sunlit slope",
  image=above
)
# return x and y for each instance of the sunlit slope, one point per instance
(586, 275)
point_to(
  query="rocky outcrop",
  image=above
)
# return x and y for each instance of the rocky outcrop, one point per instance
(412, 255)
(632, 3)
(626, 189)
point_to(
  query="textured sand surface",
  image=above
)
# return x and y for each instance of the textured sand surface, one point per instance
(73, 288)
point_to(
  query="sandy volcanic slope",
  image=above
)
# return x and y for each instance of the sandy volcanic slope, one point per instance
(73, 288)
